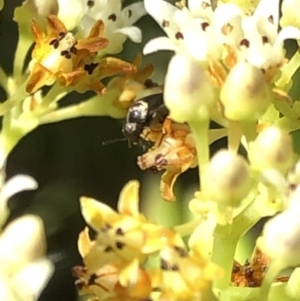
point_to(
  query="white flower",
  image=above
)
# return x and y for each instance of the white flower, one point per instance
(197, 30)
(68, 11)
(13, 186)
(260, 43)
(24, 269)
(117, 22)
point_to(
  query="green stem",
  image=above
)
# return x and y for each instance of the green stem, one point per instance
(95, 106)
(56, 93)
(226, 239)
(273, 270)
(223, 255)
(24, 43)
(187, 228)
(249, 130)
(200, 134)
(18, 96)
(3, 79)
(234, 136)
(288, 71)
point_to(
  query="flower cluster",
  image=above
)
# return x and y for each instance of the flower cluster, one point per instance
(114, 263)
(24, 268)
(230, 76)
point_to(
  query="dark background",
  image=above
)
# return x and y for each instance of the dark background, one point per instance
(68, 160)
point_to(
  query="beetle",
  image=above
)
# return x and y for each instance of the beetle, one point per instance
(148, 112)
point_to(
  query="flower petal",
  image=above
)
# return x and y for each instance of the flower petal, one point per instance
(162, 12)
(33, 278)
(96, 214)
(84, 242)
(200, 8)
(132, 32)
(288, 32)
(129, 199)
(134, 12)
(161, 43)
(17, 184)
(70, 12)
(22, 242)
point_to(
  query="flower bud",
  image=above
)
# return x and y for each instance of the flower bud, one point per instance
(281, 238)
(227, 180)
(245, 94)
(273, 148)
(42, 7)
(189, 93)
(290, 13)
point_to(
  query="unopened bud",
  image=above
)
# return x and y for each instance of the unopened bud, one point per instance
(189, 93)
(290, 13)
(227, 180)
(43, 7)
(281, 238)
(245, 94)
(273, 148)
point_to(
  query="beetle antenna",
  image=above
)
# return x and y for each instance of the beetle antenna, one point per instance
(111, 141)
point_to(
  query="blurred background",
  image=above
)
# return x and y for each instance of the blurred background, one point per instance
(69, 160)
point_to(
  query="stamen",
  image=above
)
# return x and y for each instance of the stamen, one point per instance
(54, 43)
(92, 279)
(245, 43)
(120, 232)
(66, 54)
(129, 13)
(120, 245)
(179, 35)
(164, 265)
(112, 17)
(271, 19)
(165, 23)
(106, 227)
(73, 50)
(61, 35)
(204, 25)
(227, 28)
(175, 268)
(90, 69)
(108, 249)
(90, 3)
(205, 5)
(181, 252)
(265, 40)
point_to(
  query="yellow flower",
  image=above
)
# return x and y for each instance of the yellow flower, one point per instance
(121, 237)
(184, 276)
(59, 56)
(112, 283)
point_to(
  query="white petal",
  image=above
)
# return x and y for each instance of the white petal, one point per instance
(289, 32)
(132, 32)
(85, 25)
(21, 242)
(200, 8)
(267, 8)
(17, 184)
(134, 12)
(32, 279)
(162, 12)
(160, 43)
(70, 12)
(224, 13)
